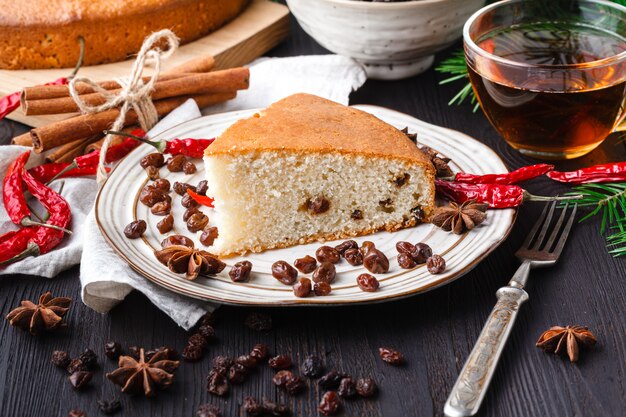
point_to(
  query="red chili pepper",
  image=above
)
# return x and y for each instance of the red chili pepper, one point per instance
(611, 172)
(201, 199)
(513, 177)
(11, 102)
(46, 172)
(8, 235)
(193, 148)
(495, 195)
(16, 244)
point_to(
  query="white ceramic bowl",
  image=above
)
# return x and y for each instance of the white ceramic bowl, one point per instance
(392, 40)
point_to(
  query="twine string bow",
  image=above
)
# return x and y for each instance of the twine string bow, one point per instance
(134, 93)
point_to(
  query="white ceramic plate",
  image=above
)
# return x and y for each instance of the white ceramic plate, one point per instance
(117, 205)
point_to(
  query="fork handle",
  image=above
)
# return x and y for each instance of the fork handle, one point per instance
(470, 388)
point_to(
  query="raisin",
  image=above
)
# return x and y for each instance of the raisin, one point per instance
(302, 288)
(154, 159)
(405, 247)
(149, 196)
(330, 404)
(366, 387)
(331, 380)
(281, 378)
(175, 240)
(259, 351)
(166, 224)
(207, 331)
(356, 215)
(417, 212)
(208, 410)
(284, 272)
(406, 261)
(294, 385)
(75, 366)
(193, 353)
(317, 205)
(306, 264)
(347, 388)
(109, 407)
(162, 184)
(327, 254)
(422, 253)
(89, 358)
(366, 247)
(237, 374)
(162, 208)
(402, 179)
(80, 379)
(436, 264)
(197, 339)
(60, 358)
(353, 257)
(202, 187)
(275, 409)
(259, 322)
(248, 361)
(76, 413)
(208, 236)
(312, 366)
(176, 163)
(376, 262)
(217, 383)
(322, 288)
(326, 272)
(280, 362)
(135, 229)
(348, 244)
(181, 188)
(197, 221)
(253, 407)
(188, 202)
(391, 356)
(133, 351)
(367, 282)
(189, 168)
(222, 362)
(190, 212)
(152, 172)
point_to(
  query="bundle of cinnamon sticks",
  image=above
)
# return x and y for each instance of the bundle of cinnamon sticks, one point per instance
(82, 133)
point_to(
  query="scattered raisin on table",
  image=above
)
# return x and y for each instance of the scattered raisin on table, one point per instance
(80, 379)
(134, 351)
(240, 272)
(326, 272)
(202, 187)
(259, 321)
(197, 222)
(237, 374)
(76, 413)
(174, 240)
(208, 410)
(109, 407)
(162, 208)
(60, 358)
(155, 159)
(162, 184)
(436, 264)
(253, 407)
(89, 358)
(187, 201)
(331, 380)
(176, 163)
(75, 366)
(348, 244)
(347, 388)
(181, 188)
(294, 385)
(280, 362)
(322, 288)
(260, 351)
(302, 288)
(189, 168)
(280, 378)
(312, 366)
(217, 383)
(376, 262)
(406, 261)
(305, 264)
(275, 409)
(193, 353)
(327, 254)
(248, 361)
(207, 331)
(197, 339)
(422, 253)
(366, 387)
(284, 272)
(152, 172)
(330, 403)
(208, 236)
(391, 356)
(135, 229)
(353, 257)
(166, 224)
(367, 282)
(222, 362)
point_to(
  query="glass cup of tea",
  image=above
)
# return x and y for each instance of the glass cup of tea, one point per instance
(550, 75)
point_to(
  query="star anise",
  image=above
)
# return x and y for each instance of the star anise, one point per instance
(192, 262)
(135, 376)
(440, 162)
(412, 136)
(566, 340)
(46, 315)
(457, 218)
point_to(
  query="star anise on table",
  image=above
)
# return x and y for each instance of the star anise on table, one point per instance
(46, 315)
(459, 218)
(135, 376)
(192, 262)
(566, 340)
(439, 162)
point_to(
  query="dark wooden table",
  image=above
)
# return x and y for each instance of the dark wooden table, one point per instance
(435, 330)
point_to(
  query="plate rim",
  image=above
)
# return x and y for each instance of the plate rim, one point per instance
(298, 302)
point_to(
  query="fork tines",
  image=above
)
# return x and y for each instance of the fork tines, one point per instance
(538, 239)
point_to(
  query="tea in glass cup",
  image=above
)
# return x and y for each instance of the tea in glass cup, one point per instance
(549, 75)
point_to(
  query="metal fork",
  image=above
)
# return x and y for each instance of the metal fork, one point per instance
(539, 250)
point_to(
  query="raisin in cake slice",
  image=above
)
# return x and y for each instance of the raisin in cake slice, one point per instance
(308, 169)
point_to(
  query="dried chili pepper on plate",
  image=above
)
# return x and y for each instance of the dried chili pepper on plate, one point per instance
(611, 172)
(201, 199)
(509, 178)
(13, 194)
(193, 148)
(494, 195)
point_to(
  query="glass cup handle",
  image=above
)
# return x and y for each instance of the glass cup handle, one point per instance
(621, 125)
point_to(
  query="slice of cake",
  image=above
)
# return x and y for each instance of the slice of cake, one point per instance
(308, 169)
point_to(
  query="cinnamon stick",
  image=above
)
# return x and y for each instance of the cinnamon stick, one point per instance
(200, 64)
(24, 140)
(64, 131)
(204, 83)
(69, 151)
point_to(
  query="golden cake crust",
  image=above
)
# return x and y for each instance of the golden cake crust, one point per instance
(304, 123)
(43, 33)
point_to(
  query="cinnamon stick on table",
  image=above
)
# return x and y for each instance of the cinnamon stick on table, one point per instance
(23, 140)
(64, 131)
(200, 64)
(205, 83)
(68, 152)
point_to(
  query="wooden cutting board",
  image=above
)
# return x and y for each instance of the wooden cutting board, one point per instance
(261, 26)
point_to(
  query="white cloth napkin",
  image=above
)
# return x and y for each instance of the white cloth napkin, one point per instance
(105, 278)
